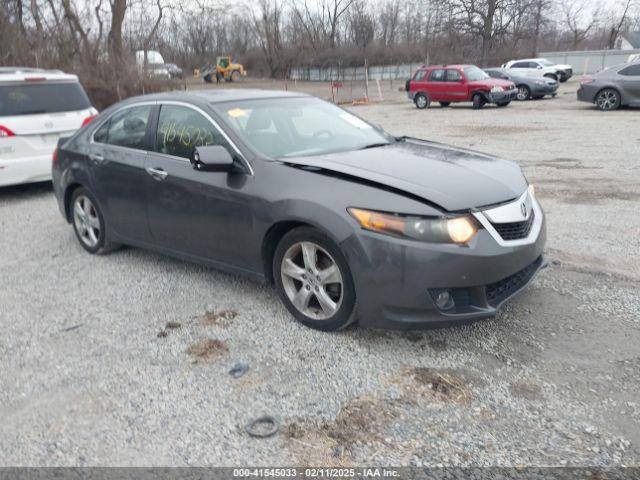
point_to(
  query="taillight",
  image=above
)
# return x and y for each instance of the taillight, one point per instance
(5, 132)
(586, 80)
(87, 120)
(54, 158)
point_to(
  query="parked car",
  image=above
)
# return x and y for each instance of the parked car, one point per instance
(528, 87)
(540, 67)
(174, 70)
(613, 87)
(458, 83)
(37, 107)
(634, 57)
(290, 189)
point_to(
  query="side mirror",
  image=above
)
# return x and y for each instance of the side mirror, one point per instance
(212, 158)
(539, 67)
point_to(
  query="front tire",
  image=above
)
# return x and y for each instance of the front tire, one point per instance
(524, 93)
(421, 101)
(551, 76)
(478, 101)
(313, 280)
(88, 223)
(608, 99)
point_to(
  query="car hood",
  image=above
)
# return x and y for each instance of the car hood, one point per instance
(560, 66)
(451, 178)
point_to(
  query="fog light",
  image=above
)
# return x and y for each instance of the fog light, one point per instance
(443, 300)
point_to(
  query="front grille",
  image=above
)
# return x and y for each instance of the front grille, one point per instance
(515, 230)
(501, 290)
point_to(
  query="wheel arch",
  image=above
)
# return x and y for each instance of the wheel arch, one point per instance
(68, 193)
(270, 242)
(324, 220)
(609, 87)
(481, 92)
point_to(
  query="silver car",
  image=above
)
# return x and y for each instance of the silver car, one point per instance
(613, 87)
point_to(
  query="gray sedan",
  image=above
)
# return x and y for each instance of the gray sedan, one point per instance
(347, 221)
(528, 87)
(613, 87)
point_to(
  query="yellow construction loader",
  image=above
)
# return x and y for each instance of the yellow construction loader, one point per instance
(226, 70)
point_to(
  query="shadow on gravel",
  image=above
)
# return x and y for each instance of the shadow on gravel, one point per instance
(26, 191)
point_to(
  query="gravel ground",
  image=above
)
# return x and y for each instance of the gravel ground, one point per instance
(124, 359)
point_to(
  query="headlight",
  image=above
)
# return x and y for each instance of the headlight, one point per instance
(436, 230)
(497, 89)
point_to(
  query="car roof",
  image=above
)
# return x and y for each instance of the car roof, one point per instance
(219, 95)
(25, 74)
(452, 65)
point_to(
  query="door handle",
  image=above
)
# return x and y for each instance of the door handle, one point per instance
(96, 158)
(157, 173)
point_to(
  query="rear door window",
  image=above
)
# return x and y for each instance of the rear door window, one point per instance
(632, 71)
(437, 76)
(125, 128)
(37, 98)
(521, 65)
(453, 76)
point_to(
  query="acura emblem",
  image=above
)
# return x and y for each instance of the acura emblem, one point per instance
(523, 209)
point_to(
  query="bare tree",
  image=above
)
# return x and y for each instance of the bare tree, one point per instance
(578, 20)
(616, 22)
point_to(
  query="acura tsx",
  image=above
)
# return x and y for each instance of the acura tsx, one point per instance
(346, 220)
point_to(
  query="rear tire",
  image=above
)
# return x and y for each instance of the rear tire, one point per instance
(313, 280)
(89, 224)
(421, 101)
(608, 99)
(478, 101)
(445, 104)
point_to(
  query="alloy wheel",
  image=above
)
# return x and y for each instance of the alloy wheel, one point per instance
(86, 221)
(421, 101)
(522, 94)
(607, 100)
(312, 280)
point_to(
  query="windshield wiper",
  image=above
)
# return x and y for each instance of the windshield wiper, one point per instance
(375, 145)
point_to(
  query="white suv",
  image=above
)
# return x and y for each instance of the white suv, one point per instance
(37, 107)
(540, 67)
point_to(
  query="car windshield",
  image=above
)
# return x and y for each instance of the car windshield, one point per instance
(546, 62)
(290, 127)
(474, 73)
(28, 99)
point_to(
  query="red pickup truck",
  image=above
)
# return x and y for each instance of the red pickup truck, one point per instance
(458, 83)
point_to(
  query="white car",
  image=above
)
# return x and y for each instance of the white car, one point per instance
(37, 107)
(540, 67)
(634, 57)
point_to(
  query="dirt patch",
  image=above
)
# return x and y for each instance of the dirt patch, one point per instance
(526, 389)
(585, 191)
(446, 385)
(566, 164)
(207, 349)
(223, 318)
(360, 421)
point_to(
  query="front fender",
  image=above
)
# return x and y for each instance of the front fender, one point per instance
(336, 225)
